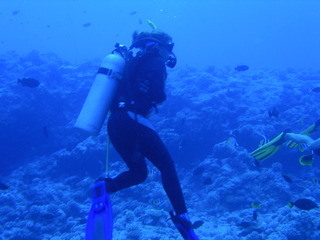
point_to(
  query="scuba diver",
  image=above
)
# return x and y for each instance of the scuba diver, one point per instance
(129, 129)
(302, 141)
(140, 89)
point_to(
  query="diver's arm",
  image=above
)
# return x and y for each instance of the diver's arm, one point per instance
(299, 138)
(158, 78)
(315, 144)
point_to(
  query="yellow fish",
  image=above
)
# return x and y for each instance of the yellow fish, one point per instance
(152, 25)
(256, 205)
(306, 160)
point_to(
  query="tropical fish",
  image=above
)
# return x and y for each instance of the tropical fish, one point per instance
(232, 143)
(304, 204)
(86, 25)
(256, 205)
(197, 224)
(315, 180)
(15, 12)
(286, 178)
(263, 141)
(316, 89)
(28, 82)
(273, 113)
(303, 147)
(241, 68)
(306, 160)
(152, 25)
(152, 172)
(157, 202)
(3, 186)
(256, 163)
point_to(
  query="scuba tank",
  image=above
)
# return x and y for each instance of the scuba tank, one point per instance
(103, 89)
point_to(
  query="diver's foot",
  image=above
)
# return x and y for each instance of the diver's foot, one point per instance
(184, 226)
(110, 186)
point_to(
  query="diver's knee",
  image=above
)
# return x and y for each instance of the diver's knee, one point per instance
(140, 175)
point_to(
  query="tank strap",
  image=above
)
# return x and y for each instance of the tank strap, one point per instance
(109, 72)
(105, 71)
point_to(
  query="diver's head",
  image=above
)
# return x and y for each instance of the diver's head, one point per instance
(156, 41)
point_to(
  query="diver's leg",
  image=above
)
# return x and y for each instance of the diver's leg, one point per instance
(154, 149)
(123, 134)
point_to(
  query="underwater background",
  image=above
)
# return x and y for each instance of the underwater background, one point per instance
(213, 118)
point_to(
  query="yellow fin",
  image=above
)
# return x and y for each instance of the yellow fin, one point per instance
(269, 149)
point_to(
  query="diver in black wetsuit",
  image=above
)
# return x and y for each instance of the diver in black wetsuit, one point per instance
(130, 131)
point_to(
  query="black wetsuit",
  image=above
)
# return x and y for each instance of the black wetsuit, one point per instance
(142, 88)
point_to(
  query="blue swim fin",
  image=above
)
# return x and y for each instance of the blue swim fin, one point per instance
(100, 219)
(184, 226)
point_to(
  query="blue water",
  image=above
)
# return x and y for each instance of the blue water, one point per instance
(50, 167)
(259, 33)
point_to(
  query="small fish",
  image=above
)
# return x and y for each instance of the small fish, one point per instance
(152, 172)
(15, 12)
(133, 13)
(234, 132)
(315, 180)
(152, 25)
(256, 163)
(29, 82)
(157, 202)
(263, 141)
(304, 204)
(256, 205)
(303, 147)
(286, 178)
(86, 25)
(3, 186)
(140, 21)
(273, 113)
(232, 143)
(241, 68)
(306, 160)
(316, 90)
(254, 215)
(197, 224)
